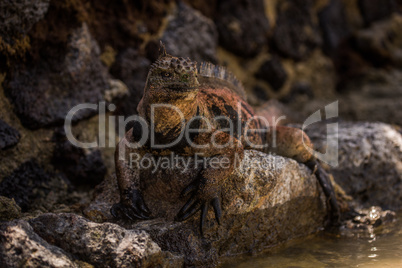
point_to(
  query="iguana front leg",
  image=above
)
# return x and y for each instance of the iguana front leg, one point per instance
(293, 143)
(131, 203)
(204, 190)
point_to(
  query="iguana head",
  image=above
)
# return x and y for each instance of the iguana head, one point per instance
(172, 74)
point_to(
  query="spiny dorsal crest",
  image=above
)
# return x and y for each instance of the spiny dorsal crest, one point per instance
(168, 61)
(210, 70)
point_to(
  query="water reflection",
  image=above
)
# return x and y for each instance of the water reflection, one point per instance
(380, 248)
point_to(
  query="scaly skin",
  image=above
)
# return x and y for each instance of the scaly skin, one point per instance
(175, 81)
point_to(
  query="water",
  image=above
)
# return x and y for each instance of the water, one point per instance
(381, 248)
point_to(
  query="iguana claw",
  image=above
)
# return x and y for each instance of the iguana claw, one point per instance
(135, 208)
(195, 203)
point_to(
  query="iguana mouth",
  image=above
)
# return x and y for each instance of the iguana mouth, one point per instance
(180, 87)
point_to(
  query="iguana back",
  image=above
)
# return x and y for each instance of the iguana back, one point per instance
(213, 76)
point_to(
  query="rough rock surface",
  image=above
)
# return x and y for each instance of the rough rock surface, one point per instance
(370, 162)
(268, 200)
(190, 34)
(102, 245)
(9, 136)
(20, 246)
(30, 183)
(243, 26)
(44, 94)
(17, 17)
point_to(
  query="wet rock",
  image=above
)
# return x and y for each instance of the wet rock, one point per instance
(370, 159)
(363, 224)
(268, 200)
(295, 34)
(21, 246)
(190, 34)
(382, 43)
(102, 245)
(132, 68)
(82, 166)
(17, 17)
(334, 25)
(243, 26)
(31, 187)
(273, 72)
(9, 210)
(9, 136)
(373, 10)
(44, 93)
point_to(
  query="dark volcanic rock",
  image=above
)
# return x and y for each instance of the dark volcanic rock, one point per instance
(82, 166)
(17, 17)
(373, 10)
(132, 69)
(20, 246)
(43, 94)
(190, 34)
(334, 25)
(102, 245)
(295, 34)
(242, 25)
(273, 72)
(370, 160)
(30, 184)
(9, 136)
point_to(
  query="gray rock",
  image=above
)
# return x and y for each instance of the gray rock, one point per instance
(370, 161)
(267, 200)
(9, 136)
(102, 245)
(190, 34)
(20, 246)
(243, 26)
(17, 17)
(44, 93)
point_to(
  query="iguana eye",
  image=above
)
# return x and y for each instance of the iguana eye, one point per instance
(185, 76)
(166, 75)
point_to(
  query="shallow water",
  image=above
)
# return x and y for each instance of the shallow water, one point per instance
(382, 248)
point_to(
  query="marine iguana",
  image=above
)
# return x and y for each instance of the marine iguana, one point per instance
(210, 100)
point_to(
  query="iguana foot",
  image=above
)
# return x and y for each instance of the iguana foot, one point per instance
(199, 201)
(132, 209)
